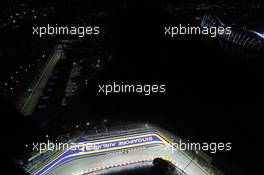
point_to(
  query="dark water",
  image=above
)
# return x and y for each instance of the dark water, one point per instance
(212, 95)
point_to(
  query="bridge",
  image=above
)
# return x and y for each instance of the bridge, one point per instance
(241, 37)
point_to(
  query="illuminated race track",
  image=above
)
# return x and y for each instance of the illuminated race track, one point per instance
(105, 153)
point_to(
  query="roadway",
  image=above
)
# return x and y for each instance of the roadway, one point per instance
(39, 84)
